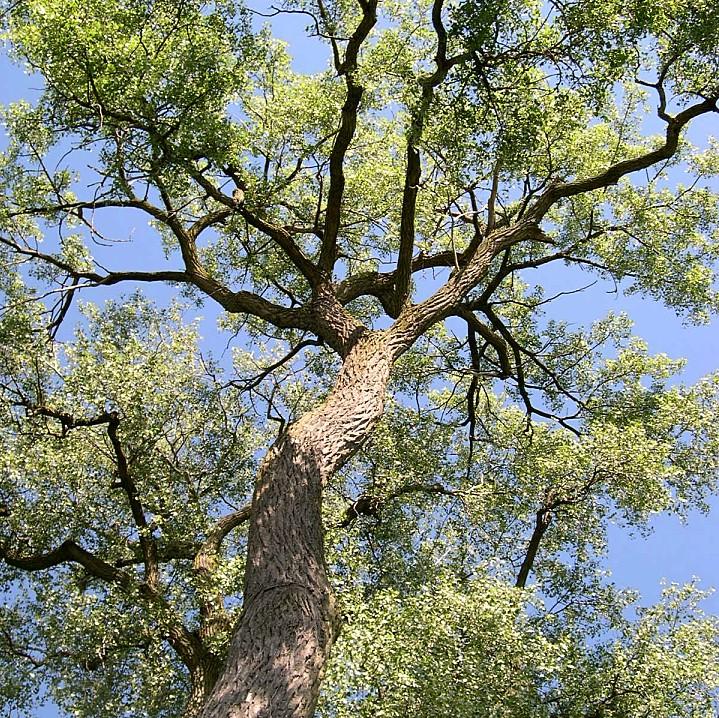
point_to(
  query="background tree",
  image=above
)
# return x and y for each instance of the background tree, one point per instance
(403, 449)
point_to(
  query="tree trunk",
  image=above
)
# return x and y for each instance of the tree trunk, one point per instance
(288, 624)
(203, 677)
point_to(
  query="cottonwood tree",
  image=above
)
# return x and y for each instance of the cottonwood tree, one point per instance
(389, 494)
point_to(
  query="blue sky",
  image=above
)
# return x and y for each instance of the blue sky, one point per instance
(674, 552)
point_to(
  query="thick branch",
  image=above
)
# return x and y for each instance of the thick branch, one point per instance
(240, 302)
(381, 284)
(112, 420)
(70, 552)
(348, 125)
(278, 234)
(618, 170)
(413, 170)
(208, 220)
(147, 540)
(68, 421)
(543, 519)
(415, 320)
(76, 208)
(407, 223)
(94, 278)
(212, 610)
(207, 554)
(187, 646)
(167, 552)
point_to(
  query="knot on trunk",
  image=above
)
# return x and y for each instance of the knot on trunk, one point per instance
(365, 505)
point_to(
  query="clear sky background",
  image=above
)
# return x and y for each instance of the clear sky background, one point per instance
(673, 552)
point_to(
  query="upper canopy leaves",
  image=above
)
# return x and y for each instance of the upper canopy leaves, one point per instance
(181, 103)
(155, 67)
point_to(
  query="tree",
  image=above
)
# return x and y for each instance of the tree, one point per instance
(432, 461)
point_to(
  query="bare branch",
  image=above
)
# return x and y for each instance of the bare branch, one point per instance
(348, 124)
(257, 380)
(496, 341)
(278, 234)
(187, 646)
(542, 521)
(562, 190)
(413, 171)
(212, 610)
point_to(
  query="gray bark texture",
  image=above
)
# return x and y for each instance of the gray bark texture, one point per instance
(288, 626)
(284, 637)
(203, 677)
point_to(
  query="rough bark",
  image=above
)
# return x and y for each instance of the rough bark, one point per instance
(203, 677)
(287, 629)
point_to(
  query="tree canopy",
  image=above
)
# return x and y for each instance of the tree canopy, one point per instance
(383, 486)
